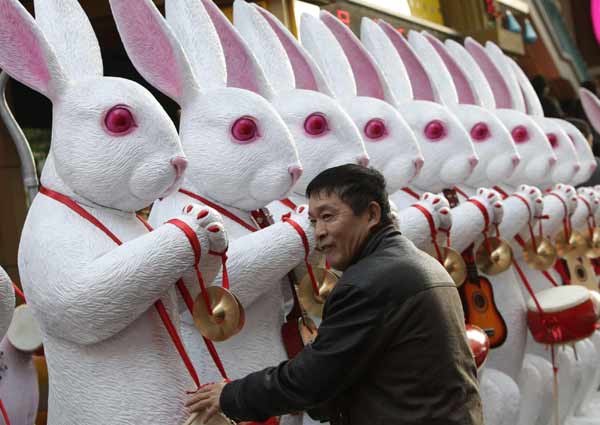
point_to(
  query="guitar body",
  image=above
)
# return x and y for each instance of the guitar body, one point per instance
(581, 272)
(480, 310)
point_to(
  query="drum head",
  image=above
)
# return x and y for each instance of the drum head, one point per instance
(560, 298)
(24, 333)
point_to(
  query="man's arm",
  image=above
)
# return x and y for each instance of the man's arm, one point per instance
(346, 341)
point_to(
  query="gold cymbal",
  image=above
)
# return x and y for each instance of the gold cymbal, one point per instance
(594, 243)
(541, 258)
(198, 419)
(242, 320)
(225, 320)
(313, 303)
(308, 330)
(454, 265)
(494, 256)
(576, 245)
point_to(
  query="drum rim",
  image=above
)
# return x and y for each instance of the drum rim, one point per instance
(559, 291)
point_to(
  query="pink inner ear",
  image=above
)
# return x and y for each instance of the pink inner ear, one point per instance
(494, 77)
(465, 92)
(240, 65)
(591, 105)
(21, 54)
(303, 73)
(419, 80)
(367, 78)
(148, 45)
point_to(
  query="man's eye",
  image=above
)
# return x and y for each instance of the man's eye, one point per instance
(327, 217)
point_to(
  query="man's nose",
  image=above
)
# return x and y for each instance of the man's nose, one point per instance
(320, 230)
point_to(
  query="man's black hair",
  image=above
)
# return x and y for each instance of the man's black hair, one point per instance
(356, 186)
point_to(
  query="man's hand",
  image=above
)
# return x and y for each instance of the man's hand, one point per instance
(206, 399)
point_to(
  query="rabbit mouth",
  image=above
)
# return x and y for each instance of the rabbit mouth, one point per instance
(173, 187)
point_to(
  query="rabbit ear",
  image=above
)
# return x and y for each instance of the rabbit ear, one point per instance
(422, 85)
(498, 56)
(69, 31)
(25, 54)
(369, 79)
(470, 68)
(153, 48)
(498, 84)
(533, 105)
(243, 69)
(438, 71)
(462, 82)
(306, 72)
(591, 105)
(265, 45)
(382, 49)
(198, 38)
(328, 54)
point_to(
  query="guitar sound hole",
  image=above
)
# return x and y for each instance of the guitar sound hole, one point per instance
(580, 272)
(479, 301)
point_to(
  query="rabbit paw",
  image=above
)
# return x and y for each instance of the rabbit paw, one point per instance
(567, 194)
(493, 203)
(208, 225)
(534, 198)
(439, 208)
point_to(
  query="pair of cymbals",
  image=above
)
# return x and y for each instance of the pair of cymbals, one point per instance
(576, 244)
(227, 318)
(311, 301)
(594, 244)
(454, 264)
(539, 254)
(493, 256)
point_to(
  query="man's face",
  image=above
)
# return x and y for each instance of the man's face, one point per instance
(339, 232)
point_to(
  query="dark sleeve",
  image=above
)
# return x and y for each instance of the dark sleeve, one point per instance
(321, 370)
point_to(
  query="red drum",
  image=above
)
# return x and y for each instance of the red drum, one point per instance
(595, 295)
(567, 315)
(479, 343)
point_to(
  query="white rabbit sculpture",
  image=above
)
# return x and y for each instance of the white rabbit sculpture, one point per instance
(7, 302)
(239, 176)
(114, 150)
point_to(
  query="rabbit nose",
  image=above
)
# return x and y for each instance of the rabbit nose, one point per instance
(593, 167)
(552, 161)
(516, 160)
(473, 161)
(180, 164)
(363, 160)
(418, 165)
(295, 171)
(577, 167)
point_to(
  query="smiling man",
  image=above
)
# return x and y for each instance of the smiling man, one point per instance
(391, 348)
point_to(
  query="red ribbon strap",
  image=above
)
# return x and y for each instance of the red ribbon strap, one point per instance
(411, 192)
(287, 219)
(432, 229)
(289, 203)
(4, 413)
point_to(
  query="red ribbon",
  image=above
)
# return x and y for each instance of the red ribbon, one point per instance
(411, 192)
(4, 413)
(432, 230)
(289, 203)
(501, 192)
(287, 219)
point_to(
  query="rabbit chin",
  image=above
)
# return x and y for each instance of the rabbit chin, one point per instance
(455, 171)
(535, 173)
(398, 173)
(564, 173)
(499, 169)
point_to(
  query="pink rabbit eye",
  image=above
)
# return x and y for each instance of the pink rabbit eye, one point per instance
(316, 124)
(480, 132)
(375, 129)
(435, 130)
(553, 140)
(244, 130)
(520, 134)
(119, 121)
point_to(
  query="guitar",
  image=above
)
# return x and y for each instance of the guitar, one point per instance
(480, 307)
(477, 294)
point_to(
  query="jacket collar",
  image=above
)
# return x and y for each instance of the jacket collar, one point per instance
(374, 241)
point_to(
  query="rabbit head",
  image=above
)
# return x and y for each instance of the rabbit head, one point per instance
(568, 161)
(112, 143)
(498, 157)
(583, 149)
(240, 150)
(538, 160)
(324, 133)
(449, 154)
(362, 91)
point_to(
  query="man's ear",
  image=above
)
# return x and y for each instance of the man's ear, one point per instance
(374, 211)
